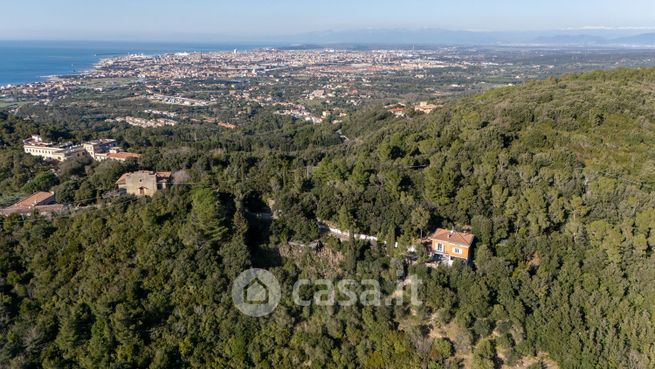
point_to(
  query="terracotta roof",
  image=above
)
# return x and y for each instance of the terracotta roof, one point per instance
(33, 200)
(227, 125)
(164, 174)
(123, 155)
(122, 178)
(464, 239)
(34, 203)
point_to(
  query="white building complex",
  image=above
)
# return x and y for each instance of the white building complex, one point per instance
(99, 150)
(48, 150)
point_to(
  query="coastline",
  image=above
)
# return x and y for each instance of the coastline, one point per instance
(29, 63)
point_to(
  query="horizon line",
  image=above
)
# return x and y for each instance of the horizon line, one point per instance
(280, 38)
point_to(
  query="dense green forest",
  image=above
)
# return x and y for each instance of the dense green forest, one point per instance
(556, 178)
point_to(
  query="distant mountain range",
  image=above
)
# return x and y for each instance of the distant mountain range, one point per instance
(365, 38)
(592, 37)
(643, 39)
(570, 40)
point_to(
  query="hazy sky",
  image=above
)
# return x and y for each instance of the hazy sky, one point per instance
(159, 19)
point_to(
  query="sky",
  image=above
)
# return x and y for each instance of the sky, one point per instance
(235, 20)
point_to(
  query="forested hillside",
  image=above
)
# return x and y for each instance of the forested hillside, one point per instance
(556, 178)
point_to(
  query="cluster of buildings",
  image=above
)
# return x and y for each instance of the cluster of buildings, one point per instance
(168, 114)
(140, 183)
(231, 65)
(177, 100)
(400, 109)
(425, 107)
(145, 123)
(298, 111)
(256, 77)
(235, 84)
(52, 151)
(42, 91)
(446, 246)
(99, 150)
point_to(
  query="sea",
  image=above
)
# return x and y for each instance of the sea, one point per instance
(24, 62)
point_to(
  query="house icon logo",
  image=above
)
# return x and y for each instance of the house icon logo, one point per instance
(256, 292)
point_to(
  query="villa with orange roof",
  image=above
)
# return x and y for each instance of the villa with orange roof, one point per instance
(451, 245)
(117, 155)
